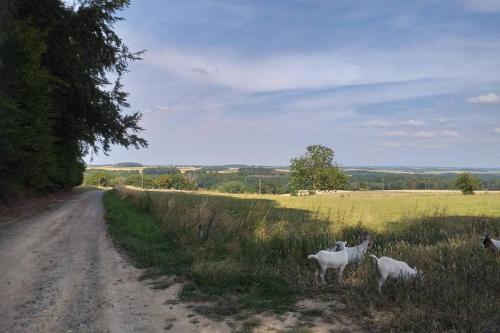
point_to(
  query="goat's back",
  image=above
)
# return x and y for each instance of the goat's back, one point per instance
(332, 259)
(393, 268)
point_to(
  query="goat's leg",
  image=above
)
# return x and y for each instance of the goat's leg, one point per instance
(323, 272)
(381, 281)
(316, 276)
(341, 272)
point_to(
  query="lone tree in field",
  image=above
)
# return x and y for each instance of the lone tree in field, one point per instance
(467, 183)
(315, 170)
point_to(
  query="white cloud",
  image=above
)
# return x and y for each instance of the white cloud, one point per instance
(387, 123)
(449, 133)
(273, 73)
(334, 67)
(497, 130)
(490, 98)
(164, 108)
(425, 134)
(482, 6)
(412, 122)
(390, 144)
(397, 133)
(374, 123)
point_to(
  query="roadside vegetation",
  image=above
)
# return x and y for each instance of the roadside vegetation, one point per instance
(247, 254)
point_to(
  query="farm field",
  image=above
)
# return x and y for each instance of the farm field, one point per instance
(375, 209)
(246, 254)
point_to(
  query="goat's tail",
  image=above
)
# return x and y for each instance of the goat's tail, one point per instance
(311, 256)
(373, 257)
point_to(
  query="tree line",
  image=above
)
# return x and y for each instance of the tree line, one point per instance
(314, 170)
(56, 101)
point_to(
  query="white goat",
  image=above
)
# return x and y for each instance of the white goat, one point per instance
(356, 254)
(491, 243)
(329, 259)
(393, 269)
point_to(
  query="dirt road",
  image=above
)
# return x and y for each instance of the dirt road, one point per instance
(59, 272)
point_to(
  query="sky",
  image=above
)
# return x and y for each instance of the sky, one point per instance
(386, 82)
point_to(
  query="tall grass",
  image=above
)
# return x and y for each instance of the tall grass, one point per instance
(250, 252)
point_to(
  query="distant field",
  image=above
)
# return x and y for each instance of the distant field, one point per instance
(375, 209)
(248, 252)
(136, 168)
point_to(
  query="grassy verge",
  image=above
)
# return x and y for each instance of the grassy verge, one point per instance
(226, 283)
(143, 238)
(246, 253)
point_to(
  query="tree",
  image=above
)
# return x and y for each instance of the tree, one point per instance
(315, 170)
(161, 171)
(56, 102)
(100, 179)
(233, 186)
(26, 112)
(467, 183)
(176, 181)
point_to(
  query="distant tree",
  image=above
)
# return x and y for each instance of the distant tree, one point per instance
(137, 180)
(467, 183)
(233, 186)
(164, 181)
(118, 181)
(100, 179)
(161, 171)
(315, 170)
(128, 164)
(173, 181)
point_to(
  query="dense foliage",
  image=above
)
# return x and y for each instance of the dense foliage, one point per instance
(467, 183)
(56, 102)
(315, 170)
(247, 180)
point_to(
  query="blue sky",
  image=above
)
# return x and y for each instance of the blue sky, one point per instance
(381, 82)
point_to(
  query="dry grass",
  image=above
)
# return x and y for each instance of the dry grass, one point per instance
(255, 247)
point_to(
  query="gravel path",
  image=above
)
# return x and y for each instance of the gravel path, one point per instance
(60, 273)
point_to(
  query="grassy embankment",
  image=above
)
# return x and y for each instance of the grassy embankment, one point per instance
(251, 252)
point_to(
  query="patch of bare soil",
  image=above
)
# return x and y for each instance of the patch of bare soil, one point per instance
(29, 205)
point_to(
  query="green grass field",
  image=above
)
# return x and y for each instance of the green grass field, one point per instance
(248, 252)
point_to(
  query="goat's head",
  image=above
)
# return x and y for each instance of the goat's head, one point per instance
(369, 239)
(487, 243)
(419, 273)
(340, 245)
